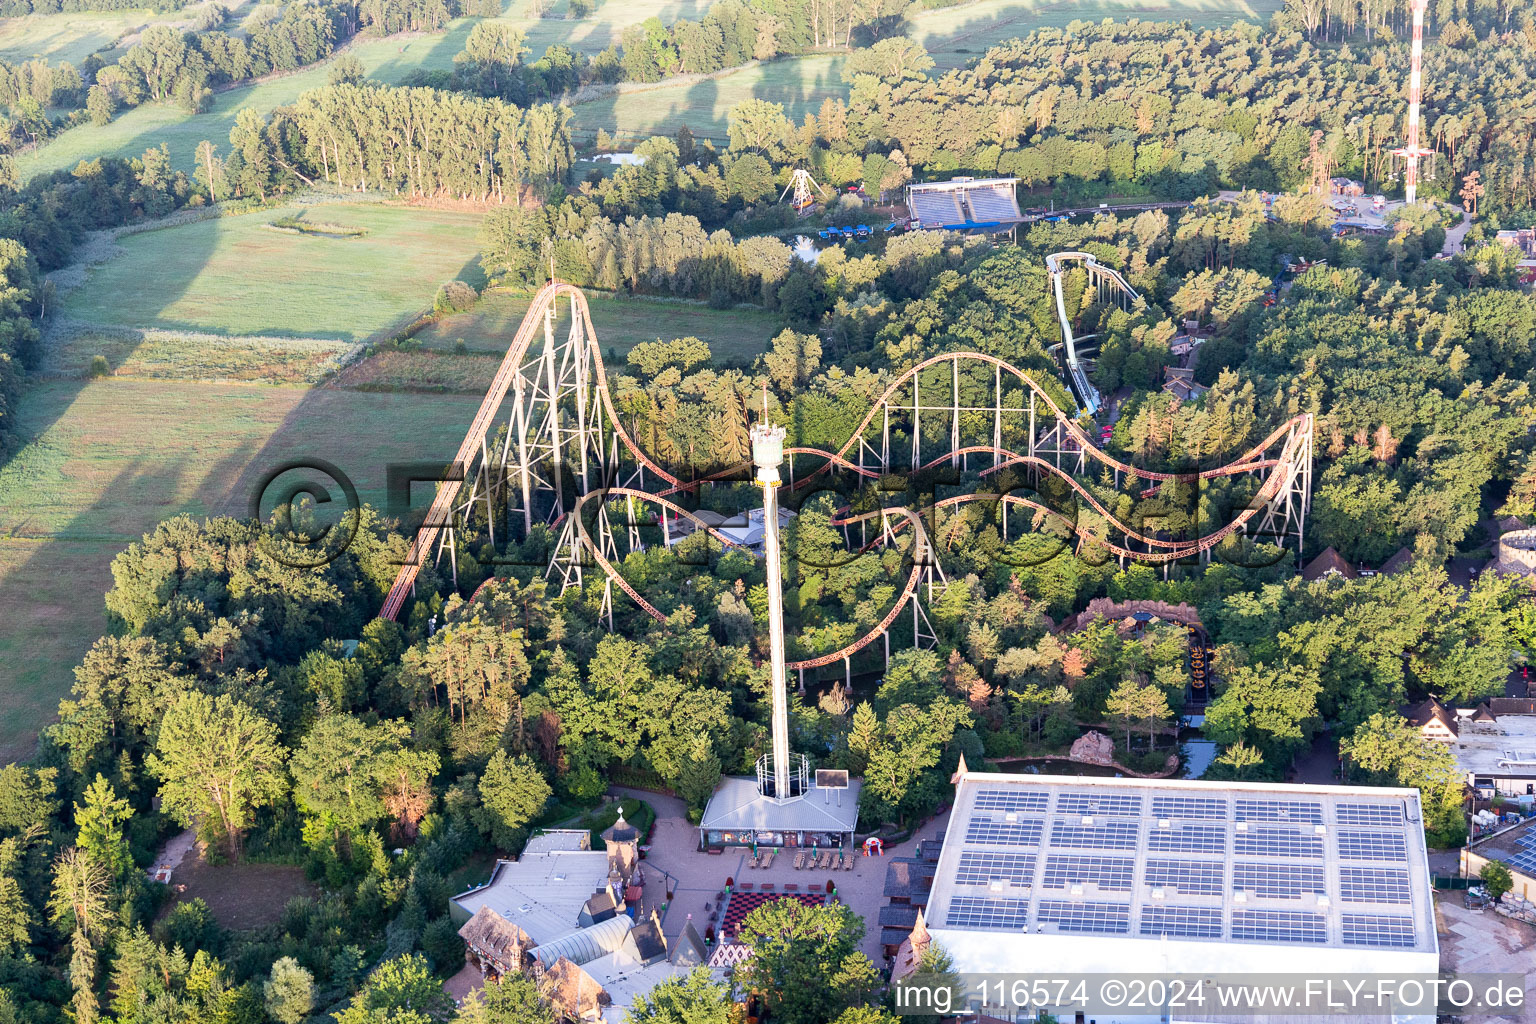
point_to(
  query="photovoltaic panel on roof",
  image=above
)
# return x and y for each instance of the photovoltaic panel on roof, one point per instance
(1108, 873)
(1096, 918)
(1196, 838)
(1189, 807)
(1011, 800)
(1196, 877)
(1146, 861)
(1279, 925)
(1524, 862)
(1278, 881)
(982, 867)
(1378, 930)
(1184, 922)
(1098, 803)
(1370, 814)
(998, 832)
(1309, 811)
(1373, 885)
(1277, 842)
(980, 912)
(1111, 835)
(1372, 846)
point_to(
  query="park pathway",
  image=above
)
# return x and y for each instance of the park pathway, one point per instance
(697, 879)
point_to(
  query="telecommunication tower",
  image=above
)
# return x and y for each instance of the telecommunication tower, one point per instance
(1413, 151)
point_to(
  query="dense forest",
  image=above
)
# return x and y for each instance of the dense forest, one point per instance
(263, 705)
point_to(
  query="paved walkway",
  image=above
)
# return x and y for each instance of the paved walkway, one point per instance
(172, 854)
(462, 984)
(1478, 941)
(697, 877)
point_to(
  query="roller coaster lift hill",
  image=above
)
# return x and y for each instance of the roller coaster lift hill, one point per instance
(959, 435)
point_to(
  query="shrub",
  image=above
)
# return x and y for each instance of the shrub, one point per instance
(454, 297)
(441, 941)
(100, 367)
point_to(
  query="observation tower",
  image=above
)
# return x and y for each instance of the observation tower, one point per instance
(780, 807)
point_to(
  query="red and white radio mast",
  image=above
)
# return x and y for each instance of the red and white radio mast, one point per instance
(1412, 151)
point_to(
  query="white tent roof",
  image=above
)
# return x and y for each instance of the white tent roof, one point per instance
(737, 805)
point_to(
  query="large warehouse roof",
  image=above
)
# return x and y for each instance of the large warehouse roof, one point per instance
(1337, 869)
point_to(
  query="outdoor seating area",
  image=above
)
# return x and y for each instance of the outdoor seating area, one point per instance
(738, 905)
(813, 859)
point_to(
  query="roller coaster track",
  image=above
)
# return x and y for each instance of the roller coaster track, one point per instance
(1107, 282)
(566, 459)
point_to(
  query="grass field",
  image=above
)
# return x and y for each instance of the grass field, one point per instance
(955, 36)
(113, 457)
(386, 60)
(733, 335)
(166, 355)
(235, 275)
(74, 36)
(801, 84)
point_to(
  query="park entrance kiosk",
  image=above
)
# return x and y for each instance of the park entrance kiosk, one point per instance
(781, 806)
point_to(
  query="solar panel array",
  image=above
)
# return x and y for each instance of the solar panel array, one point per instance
(1189, 807)
(1093, 803)
(1001, 832)
(1525, 862)
(1194, 877)
(980, 867)
(1197, 838)
(1373, 885)
(1204, 865)
(1278, 881)
(1370, 814)
(1378, 930)
(1280, 810)
(1099, 918)
(975, 912)
(1373, 846)
(1111, 835)
(1277, 842)
(1183, 922)
(1112, 874)
(1279, 926)
(1011, 800)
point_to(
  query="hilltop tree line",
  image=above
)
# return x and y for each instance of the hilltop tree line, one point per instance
(731, 33)
(1454, 21)
(1177, 111)
(171, 64)
(21, 8)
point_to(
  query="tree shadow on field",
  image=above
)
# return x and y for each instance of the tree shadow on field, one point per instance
(52, 577)
(50, 598)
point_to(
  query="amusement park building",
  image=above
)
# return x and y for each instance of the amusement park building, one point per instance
(739, 814)
(1073, 875)
(565, 915)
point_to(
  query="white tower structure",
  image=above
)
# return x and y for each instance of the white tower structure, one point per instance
(1412, 152)
(768, 456)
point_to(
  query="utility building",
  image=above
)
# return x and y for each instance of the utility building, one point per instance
(1068, 875)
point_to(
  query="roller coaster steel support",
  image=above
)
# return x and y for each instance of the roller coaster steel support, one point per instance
(565, 458)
